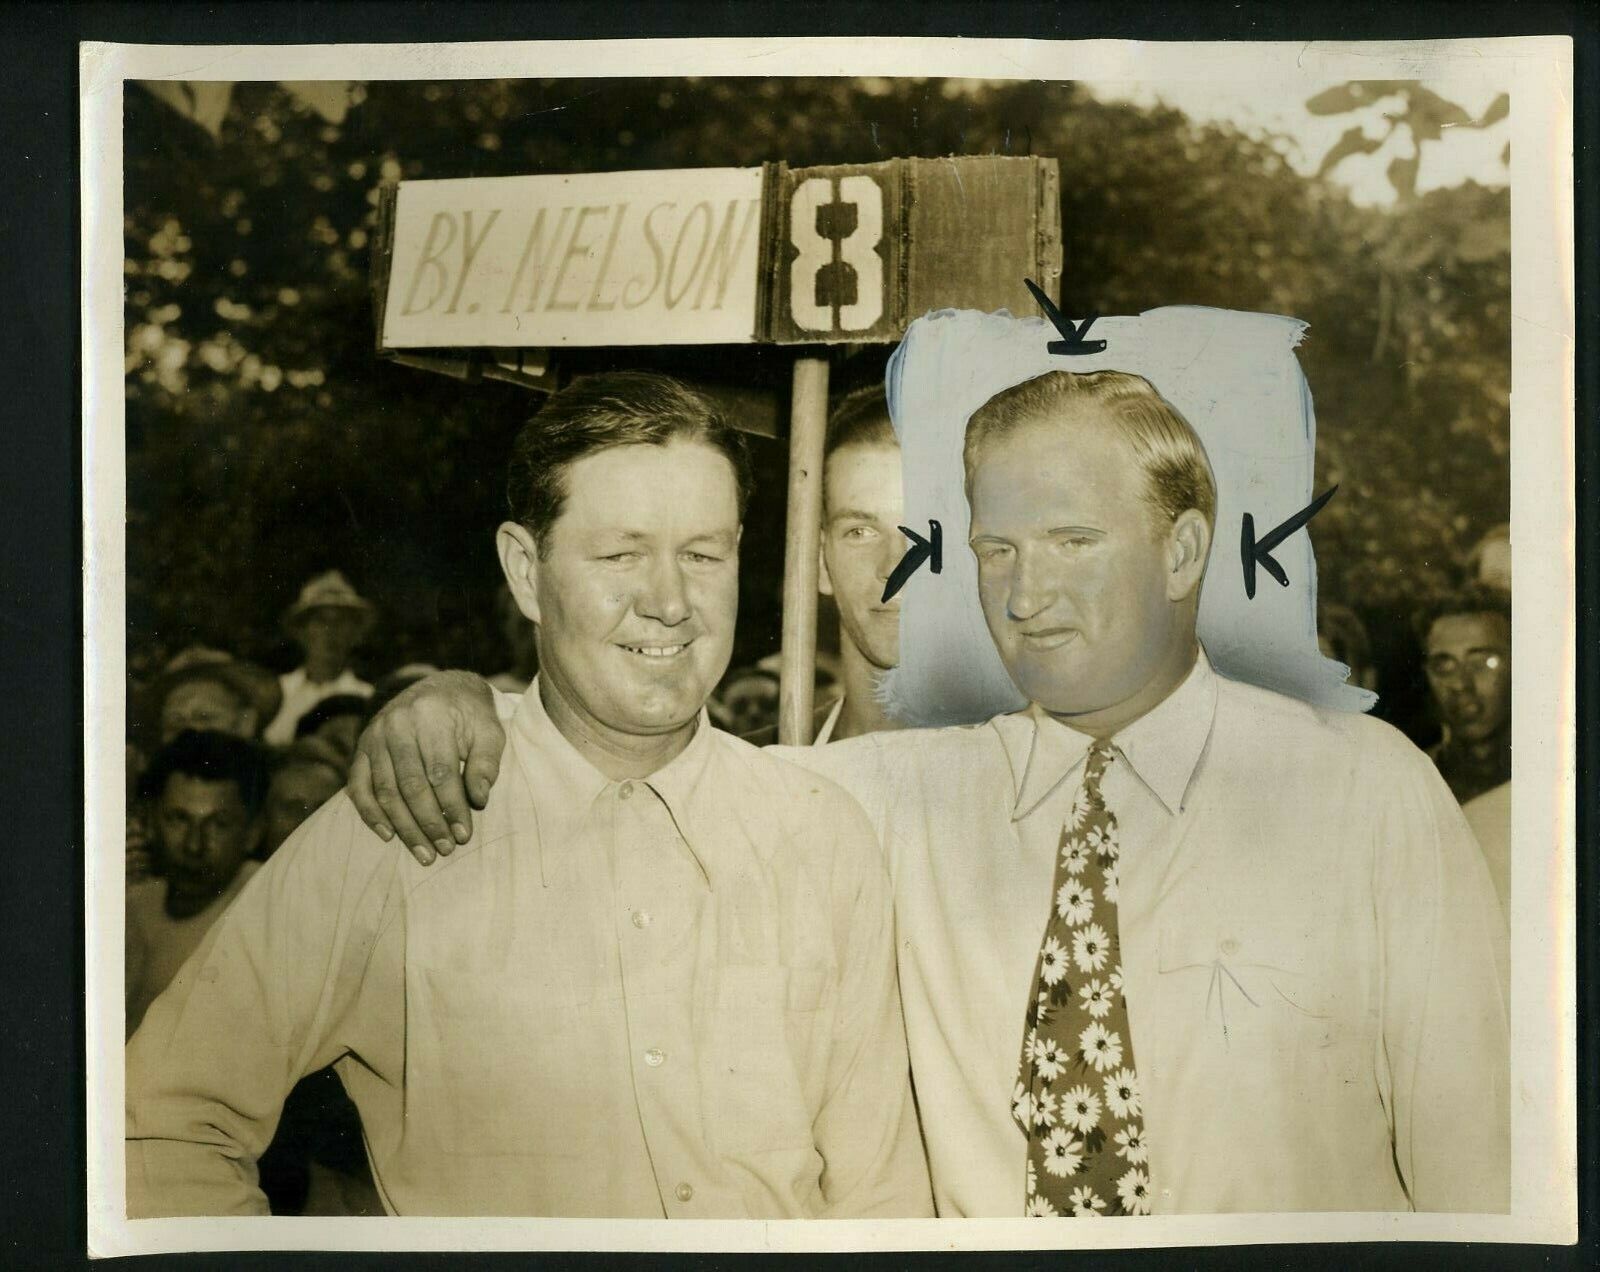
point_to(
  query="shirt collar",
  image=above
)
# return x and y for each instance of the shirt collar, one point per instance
(1162, 747)
(562, 786)
(825, 733)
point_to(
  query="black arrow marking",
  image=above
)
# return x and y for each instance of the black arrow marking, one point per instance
(1253, 552)
(930, 550)
(1074, 344)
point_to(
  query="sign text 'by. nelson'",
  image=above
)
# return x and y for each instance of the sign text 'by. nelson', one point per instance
(613, 258)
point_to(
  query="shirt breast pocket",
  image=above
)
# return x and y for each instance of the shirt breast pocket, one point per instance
(496, 1070)
(765, 1057)
(1261, 984)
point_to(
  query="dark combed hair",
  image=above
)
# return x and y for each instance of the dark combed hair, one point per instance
(598, 412)
(307, 753)
(211, 757)
(1177, 473)
(1471, 599)
(331, 708)
(860, 418)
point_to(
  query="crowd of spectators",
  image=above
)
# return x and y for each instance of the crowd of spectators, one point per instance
(240, 759)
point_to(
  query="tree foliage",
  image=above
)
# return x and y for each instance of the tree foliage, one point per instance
(266, 441)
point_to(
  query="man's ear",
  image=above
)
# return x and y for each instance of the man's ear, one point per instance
(824, 579)
(1188, 543)
(519, 562)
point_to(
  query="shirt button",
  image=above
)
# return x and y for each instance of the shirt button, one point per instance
(1230, 946)
(641, 920)
(655, 1057)
(626, 790)
(685, 1192)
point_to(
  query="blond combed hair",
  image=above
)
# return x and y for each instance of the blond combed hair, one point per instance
(1177, 473)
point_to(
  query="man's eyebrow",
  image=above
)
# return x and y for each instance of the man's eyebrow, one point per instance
(723, 537)
(1094, 530)
(642, 536)
(852, 514)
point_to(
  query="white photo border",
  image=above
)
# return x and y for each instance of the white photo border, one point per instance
(1536, 71)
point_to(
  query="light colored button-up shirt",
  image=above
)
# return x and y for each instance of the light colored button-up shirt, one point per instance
(1307, 944)
(668, 996)
(156, 945)
(829, 724)
(1489, 815)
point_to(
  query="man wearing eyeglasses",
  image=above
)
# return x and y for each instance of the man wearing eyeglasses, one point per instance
(1467, 654)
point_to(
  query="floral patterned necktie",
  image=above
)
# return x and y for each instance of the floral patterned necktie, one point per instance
(1077, 1096)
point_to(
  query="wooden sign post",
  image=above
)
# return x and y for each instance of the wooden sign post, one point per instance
(480, 277)
(808, 425)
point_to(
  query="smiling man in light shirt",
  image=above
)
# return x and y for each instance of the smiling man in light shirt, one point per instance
(1168, 943)
(660, 981)
(328, 620)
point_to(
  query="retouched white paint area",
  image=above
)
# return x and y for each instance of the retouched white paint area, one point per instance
(1234, 376)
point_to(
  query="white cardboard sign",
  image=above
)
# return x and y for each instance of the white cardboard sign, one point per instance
(609, 258)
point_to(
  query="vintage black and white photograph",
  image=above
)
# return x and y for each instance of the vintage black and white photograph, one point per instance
(828, 637)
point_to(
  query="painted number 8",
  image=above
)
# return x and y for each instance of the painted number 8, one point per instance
(852, 284)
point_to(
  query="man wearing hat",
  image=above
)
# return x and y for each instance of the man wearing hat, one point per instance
(208, 689)
(328, 621)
